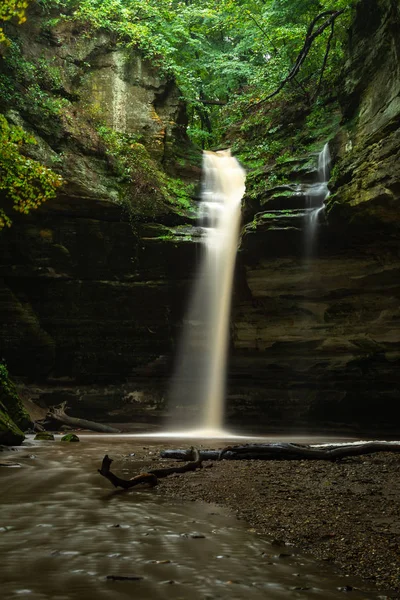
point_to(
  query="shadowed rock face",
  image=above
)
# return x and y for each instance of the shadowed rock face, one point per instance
(366, 187)
(91, 310)
(318, 340)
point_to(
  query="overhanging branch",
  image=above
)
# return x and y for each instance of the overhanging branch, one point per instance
(311, 36)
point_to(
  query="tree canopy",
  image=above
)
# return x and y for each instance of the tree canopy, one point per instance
(224, 51)
(227, 57)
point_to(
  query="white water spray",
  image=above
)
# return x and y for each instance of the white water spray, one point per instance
(198, 388)
(316, 195)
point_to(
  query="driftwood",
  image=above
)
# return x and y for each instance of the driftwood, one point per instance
(283, 451)
(58, 413)
(149, 477)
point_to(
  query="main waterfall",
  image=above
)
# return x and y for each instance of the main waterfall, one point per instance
(198, 388)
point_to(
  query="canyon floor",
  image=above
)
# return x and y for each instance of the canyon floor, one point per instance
(346, 513)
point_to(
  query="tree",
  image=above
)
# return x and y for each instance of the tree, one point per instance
(25, 182)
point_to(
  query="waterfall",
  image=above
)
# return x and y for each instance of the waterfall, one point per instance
(316, 195)
(198, 386)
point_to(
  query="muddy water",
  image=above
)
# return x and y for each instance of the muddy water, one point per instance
(63, 530)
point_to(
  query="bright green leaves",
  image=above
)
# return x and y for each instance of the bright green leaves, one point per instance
(11, 9)
(24, 182)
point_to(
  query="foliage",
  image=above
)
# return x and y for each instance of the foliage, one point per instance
(33, 87)
(10, 401)
(231, 52)
(25, 182)
(225, 56)
(145, 187)
(11, 9)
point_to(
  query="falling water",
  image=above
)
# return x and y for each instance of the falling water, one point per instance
(198, 388)
(316, 195)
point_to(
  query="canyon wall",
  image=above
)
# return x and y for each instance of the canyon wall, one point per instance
(319, 338)
(92, 294)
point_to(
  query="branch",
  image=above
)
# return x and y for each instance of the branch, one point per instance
(150, 477)
(310, 38)
(263, 31)
(124, 483)
(328, 47)
(58, 413)
(212, 102)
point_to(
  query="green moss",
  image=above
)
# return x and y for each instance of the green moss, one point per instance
(70, 437)
(11, 401)
(145, 190)
(10, 434)
(44, 436)
(33, 87)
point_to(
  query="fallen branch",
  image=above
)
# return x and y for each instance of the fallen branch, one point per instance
(126, 484)
(282, 451)
(150, 477)
(58, 413)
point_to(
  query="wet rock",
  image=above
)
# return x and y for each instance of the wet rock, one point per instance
(70, 437)
(123, 578)
(44, 436)
(346, 588)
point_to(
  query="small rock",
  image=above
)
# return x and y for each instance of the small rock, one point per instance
(44, 435)
(70, 437)
(346, 588)
(162, 562)
(302, 589)
(123, 578)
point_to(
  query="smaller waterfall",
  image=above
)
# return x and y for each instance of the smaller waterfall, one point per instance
(316, 195)
(198, 387)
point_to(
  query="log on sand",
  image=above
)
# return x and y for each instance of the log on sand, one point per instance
(58, 413)
(285, 451)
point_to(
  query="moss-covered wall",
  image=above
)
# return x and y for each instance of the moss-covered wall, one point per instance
(13, 417)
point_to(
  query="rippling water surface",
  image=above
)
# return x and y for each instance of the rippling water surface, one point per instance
(64, 529)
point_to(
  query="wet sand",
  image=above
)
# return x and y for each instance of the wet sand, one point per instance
(345, 513)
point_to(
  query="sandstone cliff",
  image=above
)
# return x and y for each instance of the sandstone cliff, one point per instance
(321, 336)
(91, 307)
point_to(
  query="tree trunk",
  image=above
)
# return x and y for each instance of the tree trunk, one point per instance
(58, 413)
(283, 451)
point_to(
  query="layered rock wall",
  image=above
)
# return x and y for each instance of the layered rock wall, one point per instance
(91, 308)
(317, 339)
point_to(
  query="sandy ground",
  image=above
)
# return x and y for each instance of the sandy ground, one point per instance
(347, 513)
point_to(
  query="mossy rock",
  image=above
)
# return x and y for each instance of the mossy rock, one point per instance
(10, 434)
(44, 435)
(70, 437)
(12, 402)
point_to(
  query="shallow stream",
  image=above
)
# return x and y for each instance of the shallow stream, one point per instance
(64, 530)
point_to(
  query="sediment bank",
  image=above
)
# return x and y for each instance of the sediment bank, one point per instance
(346, 513)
